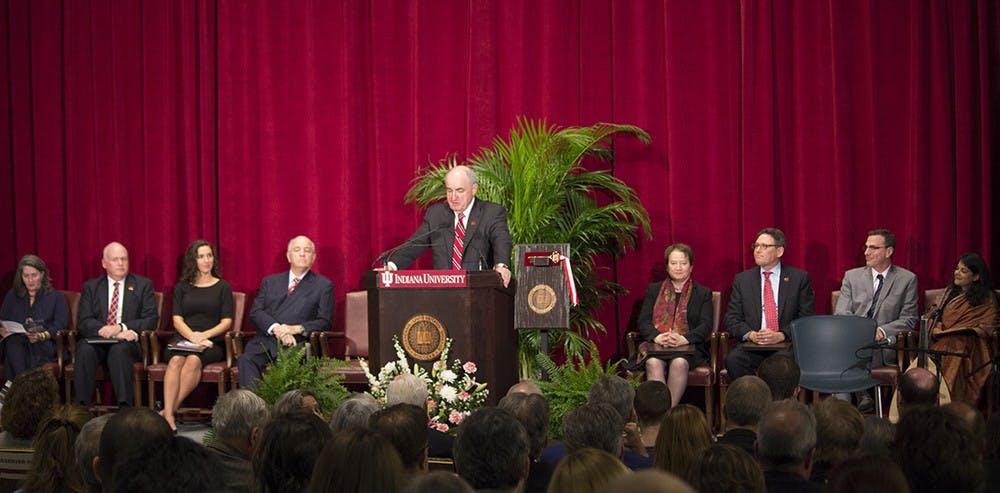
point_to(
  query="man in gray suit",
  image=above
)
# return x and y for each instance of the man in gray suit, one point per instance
(882, 291)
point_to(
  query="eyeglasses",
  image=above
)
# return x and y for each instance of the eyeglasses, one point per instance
(765, 246)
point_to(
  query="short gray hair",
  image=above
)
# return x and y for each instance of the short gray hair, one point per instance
(291, 401)
(746, 400)
(237, 413)
(407, 389)
(593, 426)
(613, 390)
(354, 413)
(786, 433)
(87, 444)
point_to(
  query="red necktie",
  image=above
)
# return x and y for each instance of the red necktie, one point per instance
(456, 251)
(293, 285)
(770, 307)
(113, 311)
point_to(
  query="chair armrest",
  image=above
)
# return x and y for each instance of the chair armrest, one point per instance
(630, 342)
(724, 344)
(237, 342)
(324, 340)
(713, 351)
(71, 345)
(144, 344)
(61, 337)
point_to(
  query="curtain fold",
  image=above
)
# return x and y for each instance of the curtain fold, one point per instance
(246, 123)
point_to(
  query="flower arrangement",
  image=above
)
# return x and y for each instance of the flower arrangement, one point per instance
(452, 391)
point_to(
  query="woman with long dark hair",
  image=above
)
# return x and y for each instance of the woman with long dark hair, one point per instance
(968, 312)
(203, 313)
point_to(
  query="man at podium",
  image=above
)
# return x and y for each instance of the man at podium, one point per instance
(463, 233)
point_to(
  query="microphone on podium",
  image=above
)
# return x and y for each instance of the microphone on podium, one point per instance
(384, 257)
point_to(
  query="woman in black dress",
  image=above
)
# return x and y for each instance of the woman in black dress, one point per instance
(676, 312)
(203, 312)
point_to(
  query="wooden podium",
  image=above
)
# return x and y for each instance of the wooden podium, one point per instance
(424, 307)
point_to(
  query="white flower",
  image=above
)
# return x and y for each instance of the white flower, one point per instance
(449, 394)
(448, 376)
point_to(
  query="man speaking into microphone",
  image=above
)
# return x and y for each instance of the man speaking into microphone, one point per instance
(463, 233)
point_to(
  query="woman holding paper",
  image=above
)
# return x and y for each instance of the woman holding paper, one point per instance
(203, 313)
(32, 313)
(676, 312)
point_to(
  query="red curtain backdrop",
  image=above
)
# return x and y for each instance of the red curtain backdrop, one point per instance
(246, 123)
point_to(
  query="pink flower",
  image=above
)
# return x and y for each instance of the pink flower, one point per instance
(455, 417)
(439, 365)
(442, 427)
(431, 404)
(463, 396)
(469, 367)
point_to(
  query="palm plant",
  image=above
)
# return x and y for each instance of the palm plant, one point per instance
(538, 175)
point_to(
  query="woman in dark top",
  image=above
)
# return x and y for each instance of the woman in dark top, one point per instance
(676, 312)
(40, 309)
(203, 312)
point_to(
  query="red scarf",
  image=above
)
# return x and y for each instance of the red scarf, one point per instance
(669, 312)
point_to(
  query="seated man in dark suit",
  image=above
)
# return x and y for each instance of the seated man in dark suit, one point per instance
(289, 306)
(764, 302)
(463, 232)
(115, 307)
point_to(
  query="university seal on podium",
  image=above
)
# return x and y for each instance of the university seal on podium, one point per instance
(541, 299)
(423, 337)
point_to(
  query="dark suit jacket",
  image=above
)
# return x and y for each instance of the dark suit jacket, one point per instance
(138, 305)
(795, 300)
(699, 315)
(487, 239)
(310, 305)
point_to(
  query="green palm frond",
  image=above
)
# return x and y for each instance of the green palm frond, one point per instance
(537, 174)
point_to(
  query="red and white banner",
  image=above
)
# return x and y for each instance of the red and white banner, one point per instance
(401, 279)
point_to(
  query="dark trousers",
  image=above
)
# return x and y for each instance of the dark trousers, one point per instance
(20, 355)
(741, 362)
(117, 359)
(255, 358)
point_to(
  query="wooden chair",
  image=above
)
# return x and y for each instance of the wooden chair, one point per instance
(217, 373)
(138, 369)
(354, 338)
(700, 376)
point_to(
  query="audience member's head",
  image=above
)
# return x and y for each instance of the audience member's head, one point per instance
(238, 419)
(786, 438)
(595, 426)
(839, 427)
(407, 389)
(288, 449)
(725, 469)
(86, 448)
(877, 437)
(129, 429)
(30, 400)
(918, 386)
(781, 373)
(586, 470)
(616, 391)
(649, 481)
(297, 400)
(746, 400)
(438, 482)
(937, 452)
(405, 427)
(972, 418)
(491, 450)
(684, 433)
(532, 410)
(178, 465)
(354, 413)
(525, 387)
(652, 401)
(53, 465)
(360, 461)
(866, 473)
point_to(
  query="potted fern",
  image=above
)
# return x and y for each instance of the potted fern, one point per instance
(537, 173)
(291, 371)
